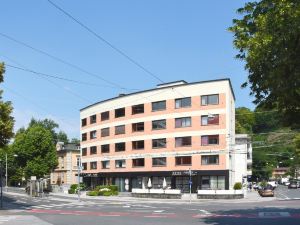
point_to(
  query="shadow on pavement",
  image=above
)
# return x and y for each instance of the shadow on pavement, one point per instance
(11, 202)
(258, 215)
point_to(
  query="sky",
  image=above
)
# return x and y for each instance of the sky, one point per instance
(172, 39)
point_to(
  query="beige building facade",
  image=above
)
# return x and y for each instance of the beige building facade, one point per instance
(65, 173)
(181, 132)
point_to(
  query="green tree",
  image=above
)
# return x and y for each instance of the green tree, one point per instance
(6, 119)
(245, 119)
(62, 137)
(75, 141)
(36, 151)
(268, 40)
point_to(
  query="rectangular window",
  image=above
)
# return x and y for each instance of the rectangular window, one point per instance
(210, 140)
(161, 161)
(158, 106)
(93, 119)
(84, 137)
(119, 112)
(93, 165)
(120, 163)
(105, 148)
(183, 102)
(105, 132)
(210, 99)
(120, 129)
(210, 159)
(138, 127)
(159, 124)
(183, 160)
(212, 119)
(183, 122)
(105, 116)
(213, 182)
(93, 134)
(84, 152)
(159, 143)
(84, 165)
(138, 162)
(93, 150)
(137, 145)
(83, 122)
(136, 109)
(119, 147)
(105, 164)
(183, 141)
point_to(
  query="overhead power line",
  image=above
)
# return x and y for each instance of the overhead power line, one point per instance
(64, 62)
(99, 37)
(55, 76)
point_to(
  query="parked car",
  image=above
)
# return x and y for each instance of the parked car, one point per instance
(286, 183)
(273, 184)
(293, 185)
(266, 191)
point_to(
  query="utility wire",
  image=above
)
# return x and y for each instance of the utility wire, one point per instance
(99, 37)
(55, 76)
(63, 61)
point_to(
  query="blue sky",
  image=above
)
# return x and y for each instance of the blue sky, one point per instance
(173, 39)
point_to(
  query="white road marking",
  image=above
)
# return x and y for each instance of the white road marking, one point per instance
(204, 211)
(159, 211)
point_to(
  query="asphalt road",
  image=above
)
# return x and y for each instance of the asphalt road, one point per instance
(63, 211)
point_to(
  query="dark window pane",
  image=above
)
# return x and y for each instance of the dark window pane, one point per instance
(93, 134)
(120, 163)
(210, 159)
(84, 136)
(93, 119)
(137, 127)
(183, 141)
(93, 165)
(159, 143)
(157, 106)
(210, 140)
(136, 145)
(120, 129)
(162, 161)
(183, 122)
(210, 99)
(105, 148)
(104, 132)
(136, 109)
(84, 165)
(83, 122)
(119, 112)
(120, 147)
(182, 102)
(105, 164)
(183, 160)
(210, 120)
(138, 162)
(84, 152)
(105, 116)
(158, 124)
(93, 150)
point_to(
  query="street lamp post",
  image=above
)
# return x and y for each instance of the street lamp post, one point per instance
(6, 174)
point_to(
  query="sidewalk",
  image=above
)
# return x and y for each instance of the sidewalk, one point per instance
(250, 197)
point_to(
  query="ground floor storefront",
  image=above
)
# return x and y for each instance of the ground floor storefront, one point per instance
(181, 180)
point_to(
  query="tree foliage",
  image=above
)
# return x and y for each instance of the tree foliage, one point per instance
(36, 151)
(245, 120)
(6, 119)
(268, 39)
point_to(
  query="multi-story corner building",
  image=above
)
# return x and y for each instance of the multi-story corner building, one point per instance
(66, 171)
(161, 133)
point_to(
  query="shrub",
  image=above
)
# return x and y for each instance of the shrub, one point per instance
(113, 187)
(237, 186)
(71, 191)
(263, 184)
(107, 193)
(92, 193)
(73, 186)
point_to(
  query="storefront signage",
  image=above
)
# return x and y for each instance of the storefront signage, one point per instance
(183, 173)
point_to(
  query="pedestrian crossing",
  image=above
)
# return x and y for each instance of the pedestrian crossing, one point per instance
(68, 205)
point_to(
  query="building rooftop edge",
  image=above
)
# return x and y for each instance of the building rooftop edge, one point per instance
(153, 89)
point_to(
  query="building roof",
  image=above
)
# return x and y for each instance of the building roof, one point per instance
(163, 86)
